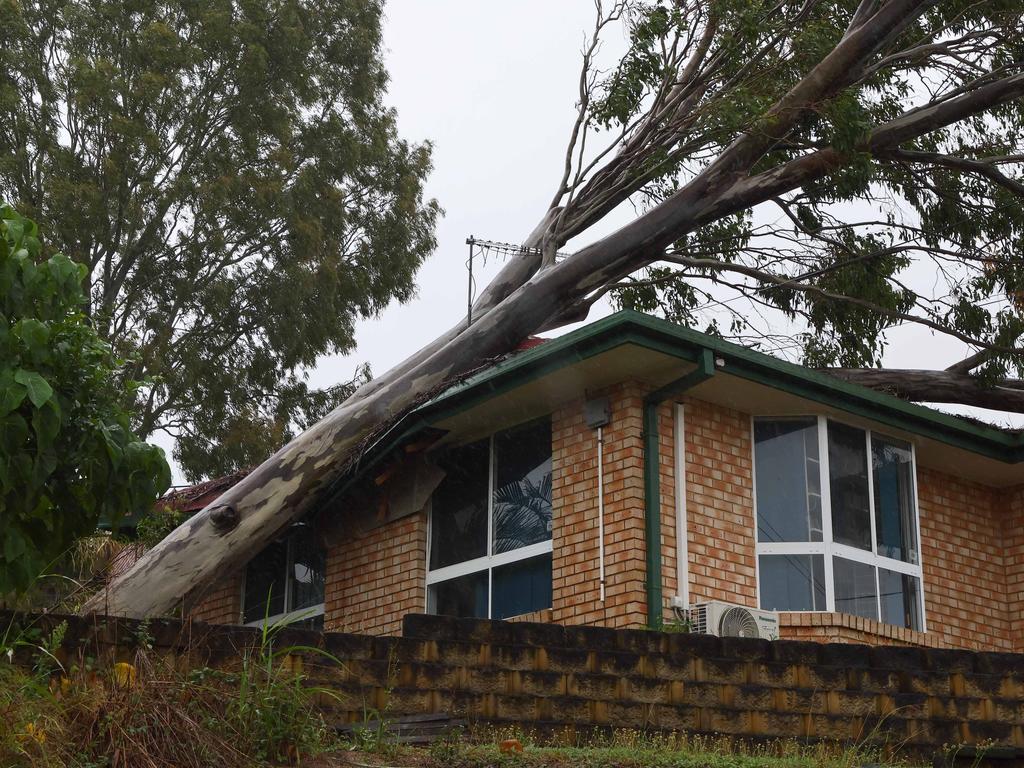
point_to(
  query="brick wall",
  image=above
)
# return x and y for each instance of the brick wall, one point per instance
(375, 578)
(973, 540)
(719, 504)
(962, 554)
(844, 628)
(222, 604)
(576, 583)
(1012, 506)
(964, 526)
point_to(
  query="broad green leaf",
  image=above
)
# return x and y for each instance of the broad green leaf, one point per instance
(39, 391)
(33, 333)
(12, 393)
(14, 545)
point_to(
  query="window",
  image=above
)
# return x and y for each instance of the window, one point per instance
(285, 582)
(852, 549)
(490, 526)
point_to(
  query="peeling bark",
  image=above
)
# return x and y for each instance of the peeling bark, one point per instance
(525, 297)
(937, 387)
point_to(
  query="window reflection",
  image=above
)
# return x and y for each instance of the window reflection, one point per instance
(287, 577)
(848, 483)
(895, 514)
(522, 486)
(510, 574)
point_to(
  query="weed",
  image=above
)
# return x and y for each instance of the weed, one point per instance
(146, 712)
(374, 734)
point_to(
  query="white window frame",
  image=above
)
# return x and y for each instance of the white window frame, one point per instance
(288, 615)
(489, 561)
(827, 547)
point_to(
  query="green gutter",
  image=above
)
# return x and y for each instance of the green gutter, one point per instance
(644, 331)
(627, 327)
(652, 478)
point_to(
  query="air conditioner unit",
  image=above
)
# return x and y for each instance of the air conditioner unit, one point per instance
(728, 620)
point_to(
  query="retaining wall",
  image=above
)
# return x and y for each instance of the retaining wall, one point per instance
(554, 677)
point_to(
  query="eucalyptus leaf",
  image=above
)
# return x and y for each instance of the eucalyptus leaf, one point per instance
(266, 121)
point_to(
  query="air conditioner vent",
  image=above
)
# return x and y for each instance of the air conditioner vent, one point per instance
(727, 620)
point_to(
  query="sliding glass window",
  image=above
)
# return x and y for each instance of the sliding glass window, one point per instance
(490, 526)
(852, 547)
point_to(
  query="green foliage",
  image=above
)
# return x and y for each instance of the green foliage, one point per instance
(67, 453)
(235, 187)
(889, 235)
(271, 709)
(148, 712)
(157, 525)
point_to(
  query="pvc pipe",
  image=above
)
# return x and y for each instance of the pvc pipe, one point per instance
(682, 542)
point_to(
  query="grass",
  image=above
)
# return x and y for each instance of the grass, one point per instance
(640, 749)
(482, 748)
(147, 713)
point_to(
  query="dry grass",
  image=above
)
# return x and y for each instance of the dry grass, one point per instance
(148, 714)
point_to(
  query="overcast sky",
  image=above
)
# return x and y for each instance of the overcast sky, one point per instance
(492, 86)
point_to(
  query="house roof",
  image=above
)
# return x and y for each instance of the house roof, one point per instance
(538, 358)
(683, 345)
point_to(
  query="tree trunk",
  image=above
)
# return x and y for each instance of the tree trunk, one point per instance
(937, 387)
(519, 302)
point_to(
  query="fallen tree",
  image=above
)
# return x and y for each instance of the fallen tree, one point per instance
(717, 109)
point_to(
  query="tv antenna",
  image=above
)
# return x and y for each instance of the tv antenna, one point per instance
(486, 248)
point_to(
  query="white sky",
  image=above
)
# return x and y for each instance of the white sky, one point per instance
(493, 86)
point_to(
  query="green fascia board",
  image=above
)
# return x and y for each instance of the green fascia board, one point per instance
(628, 327)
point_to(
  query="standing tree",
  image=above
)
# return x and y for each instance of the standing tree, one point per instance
(908, 110)
(67, 454)
(237, 191)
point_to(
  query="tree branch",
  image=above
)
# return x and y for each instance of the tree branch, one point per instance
(937, 387)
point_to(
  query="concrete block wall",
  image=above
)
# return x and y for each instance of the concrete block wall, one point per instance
(586, 676)
(553, 678)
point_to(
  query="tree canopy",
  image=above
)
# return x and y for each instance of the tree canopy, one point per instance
(67, 454)
(909, 216)
(886, 135)
(236, 189)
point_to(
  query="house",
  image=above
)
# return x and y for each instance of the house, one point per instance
(631, 467)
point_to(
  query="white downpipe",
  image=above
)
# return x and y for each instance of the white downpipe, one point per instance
(682, 542)
(600, 508)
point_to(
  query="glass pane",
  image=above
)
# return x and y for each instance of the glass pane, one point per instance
(458, 521)
(788, 480)
(521, 587)
(848, 479)
(895, 525)
(265, 575)
(792, 582)
(901, 599)
(465, 596)
(308, 563)
(855, 588)
(522, 486)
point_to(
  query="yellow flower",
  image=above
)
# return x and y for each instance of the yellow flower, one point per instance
(32, 733)
(124, 675)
